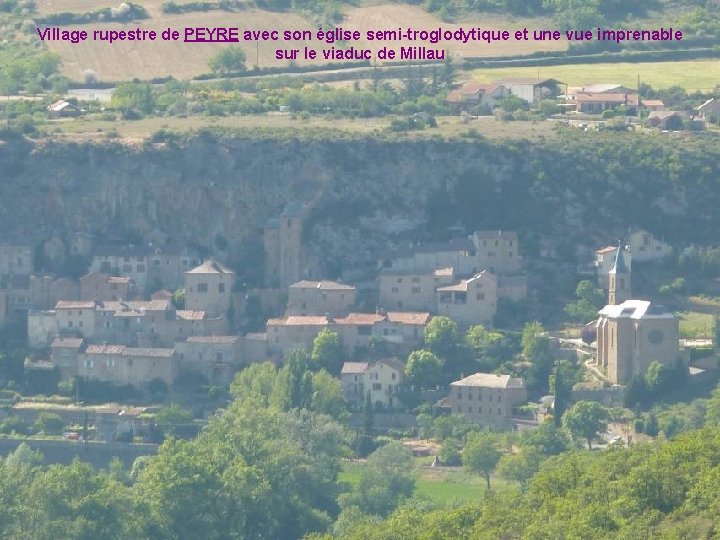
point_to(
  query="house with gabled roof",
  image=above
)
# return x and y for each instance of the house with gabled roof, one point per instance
(308, 297)
(487, 399)
(471, 301)
(382, 379)
(208, 287)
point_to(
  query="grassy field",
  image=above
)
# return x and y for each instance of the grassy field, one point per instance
(691, 74)
(695, 325)
(442, 486)
(448, 127)
(126, 60)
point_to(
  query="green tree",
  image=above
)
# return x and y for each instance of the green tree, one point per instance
(442, 337)
(328, 352)
(520, 467)
(384, 481)
(327, 395)
(449, 453)
(228, 60)
(174, 420)
(297, 368)
(133, 96)
(547, 439)
(481, 455)
(486, 345)
(562, 389)
(536, 349)
(589, 300)
(423, 369)
(585, 420)
(365, 442)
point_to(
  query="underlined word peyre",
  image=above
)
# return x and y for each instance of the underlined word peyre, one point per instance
(211, 35)
(212, 41)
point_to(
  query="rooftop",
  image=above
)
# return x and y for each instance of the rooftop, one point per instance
(67, 342)
(322, 285)
(224, 340)
(636, 309)
(74, 304)
(211, 266)
(350, 368)
(490, 380)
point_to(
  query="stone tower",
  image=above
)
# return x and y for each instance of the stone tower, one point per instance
(619, 279)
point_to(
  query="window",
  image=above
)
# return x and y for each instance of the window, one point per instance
(491, 253)
(221, 288)
(202, 287)
(219, 356)
(126, 259)
(393, 376)
(364, 330)
(416, 290)
(416, 280)
(70, 324)
(510, 254)
(395, 290)
(496, 242)
(127, 268)
(141, 268)
(377, 386)
(499, 411)
(469, 409)
(107, 324)
(80, 324)
(481, 296)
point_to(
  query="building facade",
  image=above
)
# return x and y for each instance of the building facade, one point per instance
(487, 399)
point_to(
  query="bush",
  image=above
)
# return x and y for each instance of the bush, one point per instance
(13, 424)
(49, 423)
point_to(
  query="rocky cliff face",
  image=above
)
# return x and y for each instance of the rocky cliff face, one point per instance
(364, 193)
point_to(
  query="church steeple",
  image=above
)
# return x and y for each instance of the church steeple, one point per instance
(619, 279)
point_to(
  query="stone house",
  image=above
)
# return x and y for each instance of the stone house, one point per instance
(487, 399)
(64, 352)
(100, 287)
(15, 259)
(645, 247)
(121, 365)
(125, 260)
(208, 287)
(382, 379)
(710, 110)
(472, 95)
(532, 90)
(355, 330)
(217, 358)
(167, 266)
(403, 289)
(320, 297)
(472, 301)
(497, 251)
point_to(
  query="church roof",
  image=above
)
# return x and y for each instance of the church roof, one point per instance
(636, 309)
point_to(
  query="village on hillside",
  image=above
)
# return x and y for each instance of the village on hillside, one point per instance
(151, 319)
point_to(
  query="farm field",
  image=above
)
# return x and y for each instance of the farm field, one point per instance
(448, 126)
(145, 60)
(692, 74)
(695, 325)
(446, 486)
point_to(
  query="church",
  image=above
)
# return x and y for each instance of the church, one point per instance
(631, 334)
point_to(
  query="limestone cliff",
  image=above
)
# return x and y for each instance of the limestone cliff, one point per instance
(365, 193)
